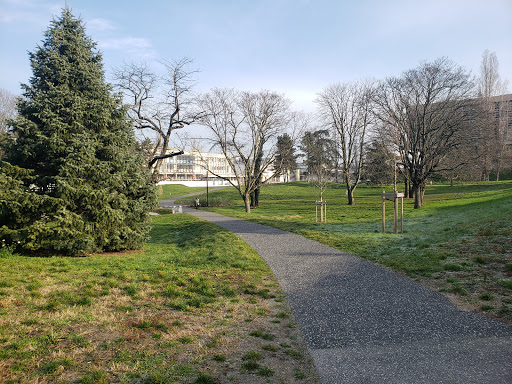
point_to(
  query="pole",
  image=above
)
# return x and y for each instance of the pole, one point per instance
(394, 172)
(383, 212)
(402, 216)
(395, 214)
(207, 167)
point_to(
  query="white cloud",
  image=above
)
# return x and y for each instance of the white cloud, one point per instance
(135, 46)
(28, 11)
(99, 24)
(126, 43)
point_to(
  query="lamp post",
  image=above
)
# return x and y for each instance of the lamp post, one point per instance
(207, 169)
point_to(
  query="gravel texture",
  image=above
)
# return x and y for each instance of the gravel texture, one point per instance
(365, 324)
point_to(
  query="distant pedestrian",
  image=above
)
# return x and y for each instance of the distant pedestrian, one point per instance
(197, 203)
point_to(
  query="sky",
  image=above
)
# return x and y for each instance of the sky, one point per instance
(295, 47)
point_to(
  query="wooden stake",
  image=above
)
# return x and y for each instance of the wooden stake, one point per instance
(402, 216)
(395, 215)
(383, 212)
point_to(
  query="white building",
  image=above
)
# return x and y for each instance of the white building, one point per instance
(194, 168)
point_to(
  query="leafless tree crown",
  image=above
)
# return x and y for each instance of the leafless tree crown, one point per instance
(160, 104)
(347, 108)
(7, 109)
(244, 126)
(429, 110)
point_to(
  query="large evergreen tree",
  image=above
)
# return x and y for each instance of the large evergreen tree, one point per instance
(286, 159)
(78, 184)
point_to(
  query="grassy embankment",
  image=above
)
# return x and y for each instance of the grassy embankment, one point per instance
(197, 306)
(168, 191)
(458, 244)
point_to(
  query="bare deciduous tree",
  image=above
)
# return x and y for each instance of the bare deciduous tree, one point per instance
(245, 126)
(8, 109)
(348, 109)
(159, 104)
(491, 89)
(430, 109)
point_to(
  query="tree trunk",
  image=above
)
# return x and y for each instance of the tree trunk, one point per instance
(350, 190)
(406, 188)
(419, 192)
(247, 202)
(350, 196)
(257, 197)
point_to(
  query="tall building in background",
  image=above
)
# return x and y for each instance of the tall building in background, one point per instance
(503, 114)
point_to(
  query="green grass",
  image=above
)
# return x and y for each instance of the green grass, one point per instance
(165, 314)
(462, 232)
(173, 190)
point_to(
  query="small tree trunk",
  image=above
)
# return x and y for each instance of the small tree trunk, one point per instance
(406, 188)
(247, 202)
(417, 198)
(350, 191)
(419, 192)
(350, 195)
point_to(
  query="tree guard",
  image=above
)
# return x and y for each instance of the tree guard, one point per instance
(323, 211)
(393, 196)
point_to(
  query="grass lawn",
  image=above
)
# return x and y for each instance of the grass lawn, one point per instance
(458, 244)
(197, 305)
(168, 191)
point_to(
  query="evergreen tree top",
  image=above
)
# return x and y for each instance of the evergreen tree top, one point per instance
(66, 47)
(67, 102)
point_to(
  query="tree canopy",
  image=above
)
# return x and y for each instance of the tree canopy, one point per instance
(79, 185)
(427, 110)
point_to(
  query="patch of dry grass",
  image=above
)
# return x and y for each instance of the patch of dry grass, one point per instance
(183, 311)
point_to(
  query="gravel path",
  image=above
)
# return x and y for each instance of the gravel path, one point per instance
(365, 324)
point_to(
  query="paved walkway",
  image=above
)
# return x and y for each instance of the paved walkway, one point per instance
(365, 324)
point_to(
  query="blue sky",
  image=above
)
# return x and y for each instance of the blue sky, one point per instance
(296, 47)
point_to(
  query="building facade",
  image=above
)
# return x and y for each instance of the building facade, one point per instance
(502, 110)
(195, 165)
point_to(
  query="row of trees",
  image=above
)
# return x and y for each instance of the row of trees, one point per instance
(431, 120)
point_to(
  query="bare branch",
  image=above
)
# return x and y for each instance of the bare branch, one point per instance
(347, 108)
(160, 104)
(428, 110)
(245, 126)
(156, 158)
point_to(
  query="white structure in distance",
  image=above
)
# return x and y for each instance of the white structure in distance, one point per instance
(195, 168)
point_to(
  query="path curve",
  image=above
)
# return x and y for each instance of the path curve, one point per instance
(365, 324)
